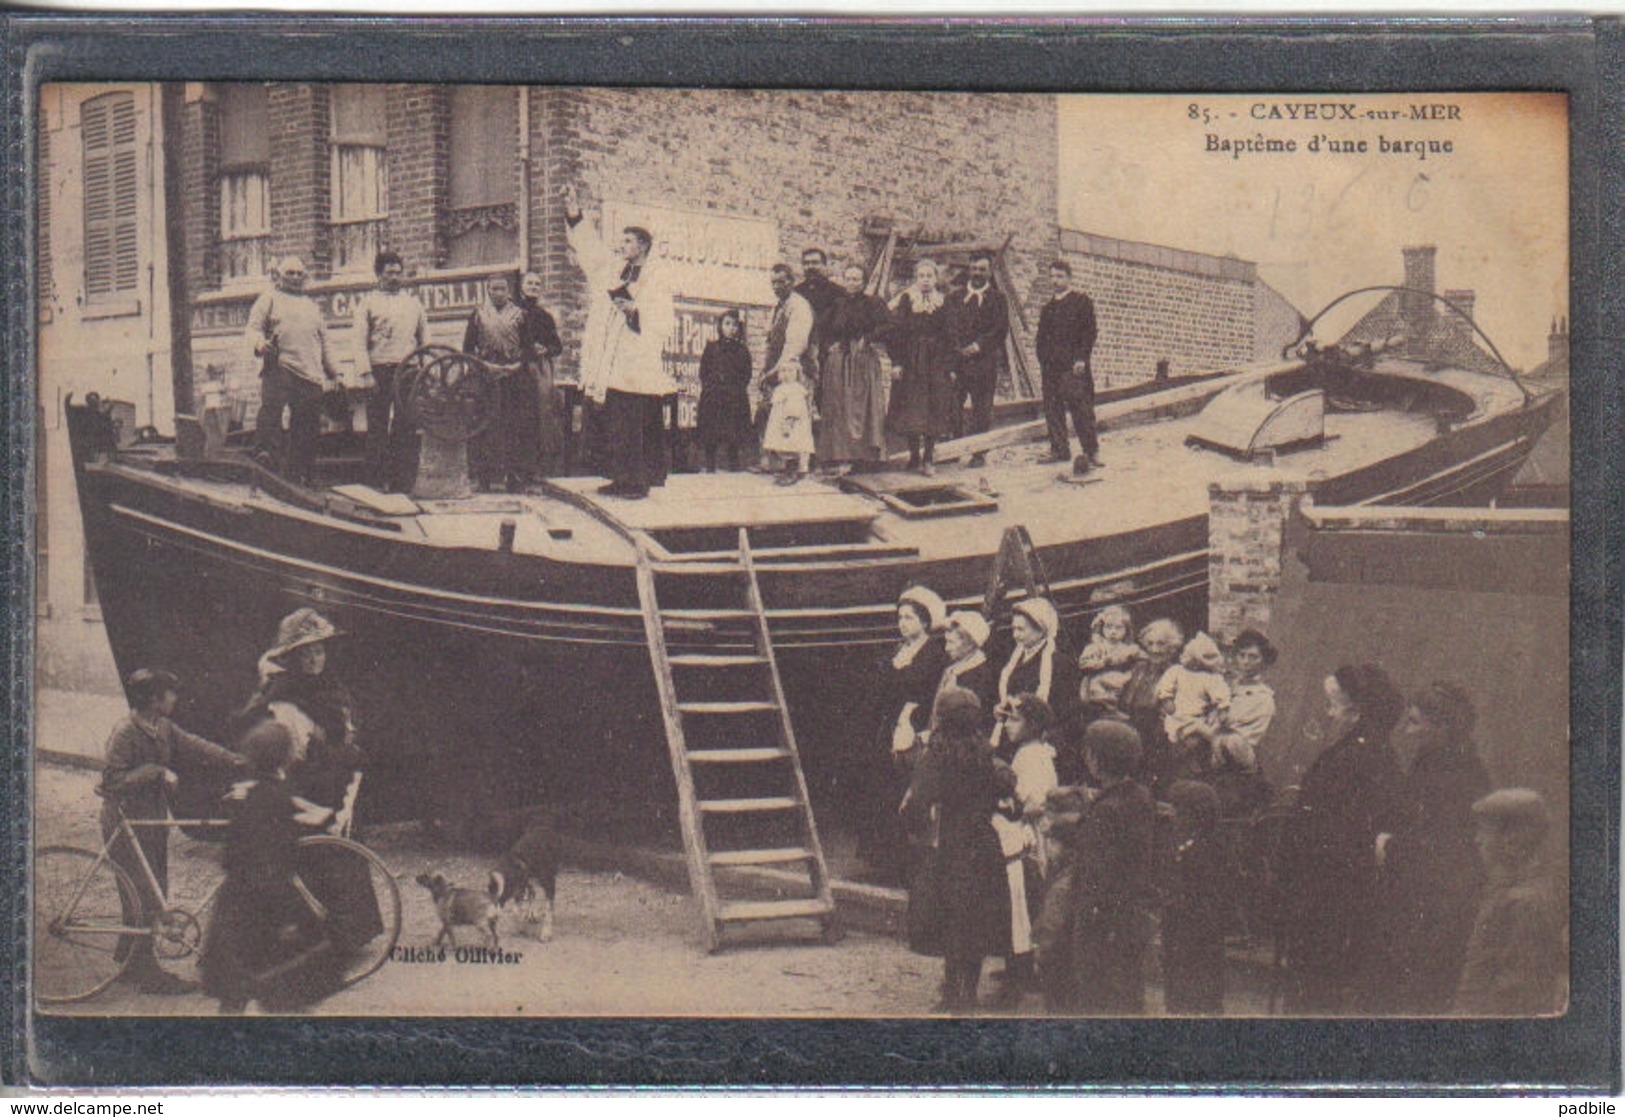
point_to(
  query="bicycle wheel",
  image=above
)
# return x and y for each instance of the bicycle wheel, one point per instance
(363, 902)
(82, 939)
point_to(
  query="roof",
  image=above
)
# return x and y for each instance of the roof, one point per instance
(1447, 340)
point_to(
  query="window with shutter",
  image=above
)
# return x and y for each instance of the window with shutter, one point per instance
(359, 184)
(112, 255)
(245, 157)
(482, 218)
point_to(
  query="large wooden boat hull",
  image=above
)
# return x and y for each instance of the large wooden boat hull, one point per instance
(516, 677)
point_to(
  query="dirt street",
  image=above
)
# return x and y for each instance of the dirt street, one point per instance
(622, 947)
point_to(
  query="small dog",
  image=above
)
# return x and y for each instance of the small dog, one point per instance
(531, 862)
(460, 907)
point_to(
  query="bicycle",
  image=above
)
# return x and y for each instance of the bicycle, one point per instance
(82, 940)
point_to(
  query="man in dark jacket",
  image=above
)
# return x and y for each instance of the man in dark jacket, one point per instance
(980, 320)
(821, 293)
(137, 780)
(1065, 343)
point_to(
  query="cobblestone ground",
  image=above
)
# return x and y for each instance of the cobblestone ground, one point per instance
(622, 947)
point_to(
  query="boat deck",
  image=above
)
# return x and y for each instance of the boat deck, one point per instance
(1150, 476)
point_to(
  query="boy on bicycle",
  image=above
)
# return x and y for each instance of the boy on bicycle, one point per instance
(137, 779)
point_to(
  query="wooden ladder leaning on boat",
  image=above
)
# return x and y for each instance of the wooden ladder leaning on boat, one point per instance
(1016, 563)
(742, 795)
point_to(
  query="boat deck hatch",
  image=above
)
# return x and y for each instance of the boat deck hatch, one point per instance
(919, 500)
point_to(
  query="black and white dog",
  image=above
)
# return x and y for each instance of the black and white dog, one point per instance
(531, 863)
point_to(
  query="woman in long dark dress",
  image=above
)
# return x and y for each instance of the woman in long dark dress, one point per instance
(959, 905)
(540, 347)
(852, 391)
(922, 399)
(508, 450)
(1328, 878)
(296, 691)
(268, 938)
(908, 680)
(724, 413)
(1431, 871)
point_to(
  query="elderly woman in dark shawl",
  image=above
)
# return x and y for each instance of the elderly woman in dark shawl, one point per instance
(508, 450)
(1328, 877)
(959, 904)
(724, 412)
(1431, 873)
(852, 391)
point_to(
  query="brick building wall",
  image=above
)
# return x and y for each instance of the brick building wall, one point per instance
(819, 164)
(1155, 303)
(300, 169)
(419, 130)
(200, 193)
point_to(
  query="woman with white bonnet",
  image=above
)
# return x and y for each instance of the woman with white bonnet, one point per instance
(968, 667)
(1037, 665)
(908, 678)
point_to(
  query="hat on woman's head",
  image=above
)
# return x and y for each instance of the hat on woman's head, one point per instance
(929, 603)
(973, 625)
(301, 627)
(1041, 611)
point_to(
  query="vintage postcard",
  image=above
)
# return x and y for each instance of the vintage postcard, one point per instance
(571, 551)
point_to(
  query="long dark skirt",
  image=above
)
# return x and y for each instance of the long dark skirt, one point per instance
(852, 402)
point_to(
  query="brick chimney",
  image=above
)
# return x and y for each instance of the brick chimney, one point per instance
(1418, 310)
(1557, 342)
(1463, 299)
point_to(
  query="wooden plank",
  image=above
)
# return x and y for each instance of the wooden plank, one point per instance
(726, 707)
(761, 856)
(717, 660)
(748, 806)
(736, 756)
(757, 910)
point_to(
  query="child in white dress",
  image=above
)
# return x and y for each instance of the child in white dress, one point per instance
(1195, 701)
(789, 434)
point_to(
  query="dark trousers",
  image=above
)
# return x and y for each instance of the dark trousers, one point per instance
(1066, 395)
(390, 460)
(295, 454)
(637, 434)
(976, 385)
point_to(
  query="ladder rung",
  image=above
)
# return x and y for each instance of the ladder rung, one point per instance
(708, 568)
(774, 909)
(706, 614)
(745, 806)
(761, 856)
(726, 707)
(717, 660)
(736, 756)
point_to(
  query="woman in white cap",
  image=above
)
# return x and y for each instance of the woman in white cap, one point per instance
(968, 668)
(297, 691)
(1038, 666)
(908, 683)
